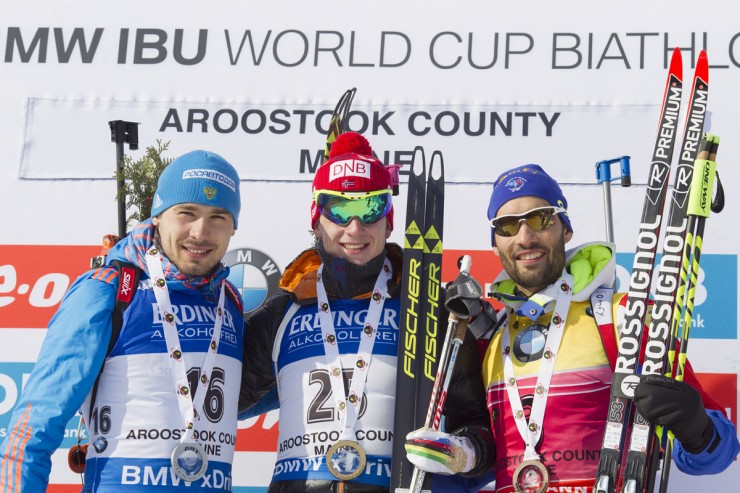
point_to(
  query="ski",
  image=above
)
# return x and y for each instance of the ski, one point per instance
(624, 378)
(431, 294)
(664, 299)
(420, 307)
(431, 282)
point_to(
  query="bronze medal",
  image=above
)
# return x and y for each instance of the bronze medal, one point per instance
(531, 476)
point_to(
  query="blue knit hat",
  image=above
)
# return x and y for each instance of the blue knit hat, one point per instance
(524, 181)
(198, 177)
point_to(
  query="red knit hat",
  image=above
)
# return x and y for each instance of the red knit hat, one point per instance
(351, 168)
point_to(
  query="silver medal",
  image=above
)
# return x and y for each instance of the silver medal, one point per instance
(189, 461)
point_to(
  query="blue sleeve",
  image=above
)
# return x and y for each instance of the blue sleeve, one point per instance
(716, 460)
(68, 364)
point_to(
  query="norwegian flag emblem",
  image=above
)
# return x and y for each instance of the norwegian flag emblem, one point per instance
(348, 183)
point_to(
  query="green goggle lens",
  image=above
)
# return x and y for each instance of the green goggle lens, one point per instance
(368, 209)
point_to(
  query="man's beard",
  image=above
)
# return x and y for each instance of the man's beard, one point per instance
(534, 281)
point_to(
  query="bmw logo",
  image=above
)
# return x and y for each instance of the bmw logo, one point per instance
(530, 343)
(255, 274)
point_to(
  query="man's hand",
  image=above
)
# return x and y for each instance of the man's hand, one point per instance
(677, 406)
(438, 452)
(463, 295)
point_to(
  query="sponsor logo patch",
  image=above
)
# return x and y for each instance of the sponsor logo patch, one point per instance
(349, 167)
(208, 174)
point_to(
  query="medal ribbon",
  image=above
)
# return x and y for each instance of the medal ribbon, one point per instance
(348, 405)
(188, 407)
(531, 430)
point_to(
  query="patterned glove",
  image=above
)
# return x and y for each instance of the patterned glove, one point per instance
(438, 452)
(677, 406)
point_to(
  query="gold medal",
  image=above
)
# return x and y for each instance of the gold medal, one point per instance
(531, 476)
(189, 461)
(346, 460)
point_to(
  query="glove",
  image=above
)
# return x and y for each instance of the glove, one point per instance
(463, 296)
(677, 406)
(438, 452)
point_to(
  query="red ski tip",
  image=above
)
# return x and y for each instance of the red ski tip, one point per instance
(676, 67)
(702, 67)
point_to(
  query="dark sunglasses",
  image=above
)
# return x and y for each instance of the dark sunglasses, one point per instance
(537, 219)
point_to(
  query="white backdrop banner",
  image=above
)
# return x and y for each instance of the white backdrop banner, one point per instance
(491, 84)
(289, 137)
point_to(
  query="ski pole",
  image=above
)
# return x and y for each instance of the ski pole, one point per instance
(603, 176)
(705, 173)
(454, 337)
(708, 151)
(668, 368)
(698, 211)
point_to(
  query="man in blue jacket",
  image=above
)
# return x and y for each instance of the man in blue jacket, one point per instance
(156, 379)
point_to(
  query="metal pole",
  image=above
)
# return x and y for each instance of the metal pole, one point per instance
(606, 186)
(119, 188)
(604, 176)
(122, 132)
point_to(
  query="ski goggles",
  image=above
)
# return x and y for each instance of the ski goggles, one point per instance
(340, 208)
(537, 219)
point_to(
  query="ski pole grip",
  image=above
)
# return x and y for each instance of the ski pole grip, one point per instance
(464, 263)
(718, 203)
(463, 295)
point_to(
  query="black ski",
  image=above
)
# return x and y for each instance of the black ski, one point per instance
(624, 379)
(431, 283)
(420, 306)
(431, 294)
(665, 306)
(338, 122)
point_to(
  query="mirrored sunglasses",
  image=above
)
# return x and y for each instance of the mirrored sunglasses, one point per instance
(341, 208)
(537, 219)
